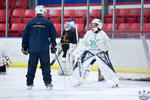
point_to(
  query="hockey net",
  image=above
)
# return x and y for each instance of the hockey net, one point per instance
(129, 54)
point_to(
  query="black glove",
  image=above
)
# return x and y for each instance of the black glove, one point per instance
(24, 49)
(53, 49)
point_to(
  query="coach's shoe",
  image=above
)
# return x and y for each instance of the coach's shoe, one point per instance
(29, 87)
(49, 86)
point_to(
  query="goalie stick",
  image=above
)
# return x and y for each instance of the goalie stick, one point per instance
(59, 63)
(53, 61)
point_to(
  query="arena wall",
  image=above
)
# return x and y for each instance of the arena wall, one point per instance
(123, 52)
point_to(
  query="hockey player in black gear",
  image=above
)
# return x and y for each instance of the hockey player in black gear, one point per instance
(68, 43)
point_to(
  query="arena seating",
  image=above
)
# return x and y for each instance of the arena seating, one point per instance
(80, 16)
(55, 16)
(11, 4)
(108, 17)
(16, 30)
(80, 28)
(3, 29)
(58, 29)
(127, 19)
(129, 27)
(95, 13)
(17, 16)
(69, 14)
(29, 14)
(1, 3)
(3, 15)
(21, 3)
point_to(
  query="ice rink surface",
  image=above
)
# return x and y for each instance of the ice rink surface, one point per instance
(13, 87)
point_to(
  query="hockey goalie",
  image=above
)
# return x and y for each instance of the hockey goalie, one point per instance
(68, 44)
(93, 49)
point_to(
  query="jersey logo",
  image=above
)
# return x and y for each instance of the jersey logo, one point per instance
(65, 40)
(41, 26)
(93, 44)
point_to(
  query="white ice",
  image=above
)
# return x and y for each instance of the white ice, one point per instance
(13, 87)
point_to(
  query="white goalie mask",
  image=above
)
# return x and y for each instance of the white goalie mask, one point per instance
(40, 10)
(69, 23)
(96, 24)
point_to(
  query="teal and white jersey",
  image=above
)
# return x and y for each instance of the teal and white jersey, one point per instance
(96, 42)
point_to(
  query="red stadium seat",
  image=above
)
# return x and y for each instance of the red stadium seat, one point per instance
(29, 14)
(80, 28)
(90, 27)
(120, 20)
(55, 16)
(3, 29)
(3, 15)
(123, 27)
(133, 14)
(123, 12)
(146, 16)
(146, 19)
(127, 35)
(47, 13)
(135, 27)
(17, 15)
(104, 27)
(16, 30)
(129, 27)
(1, 3)
(80, 16)
(58, 29)
(69, 13)
(85, 30)
(131, 19)
(11, 3)
(21, 3)
(121, 17)
(146, 27)
(108, 17)
(109, 27)
(95, 13)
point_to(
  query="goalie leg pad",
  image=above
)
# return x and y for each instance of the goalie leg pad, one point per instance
(63, 64)
(88, 68)
(66, 69)
(110, 76)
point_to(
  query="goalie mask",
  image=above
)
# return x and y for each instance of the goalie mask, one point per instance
(40, 10)
(96, 25)
(69, 23)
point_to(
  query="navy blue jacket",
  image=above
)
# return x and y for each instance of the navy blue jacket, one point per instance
(36, 34)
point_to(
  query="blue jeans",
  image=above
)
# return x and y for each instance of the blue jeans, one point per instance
(45, 66)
